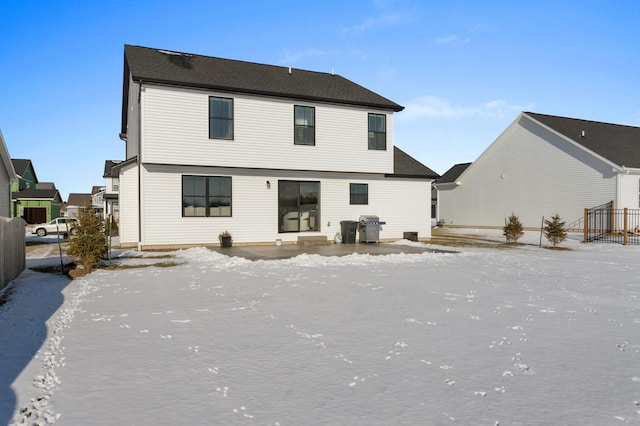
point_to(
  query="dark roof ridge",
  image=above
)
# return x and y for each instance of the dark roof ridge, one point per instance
(534, 114)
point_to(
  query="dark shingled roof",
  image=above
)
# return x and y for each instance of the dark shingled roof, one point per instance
(108, 168)
(35, 194)
(45, 185)
(184, 69)
(20, 165)
(617, 143)
(76, 199)
(406, 166)
(453, 173)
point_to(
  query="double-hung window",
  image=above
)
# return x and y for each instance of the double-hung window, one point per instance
(358, 193)
(304, 125)
(206, 196)
(378, 131)
(220, 118)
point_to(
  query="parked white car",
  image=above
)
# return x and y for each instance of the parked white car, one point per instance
(61, 224)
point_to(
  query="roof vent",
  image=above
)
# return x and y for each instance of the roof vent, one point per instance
(289, 70)
(582, 135)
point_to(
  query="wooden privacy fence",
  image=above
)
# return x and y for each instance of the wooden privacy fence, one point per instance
(12, 249)
(605, 224)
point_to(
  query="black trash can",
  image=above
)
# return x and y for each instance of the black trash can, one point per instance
(348, 229)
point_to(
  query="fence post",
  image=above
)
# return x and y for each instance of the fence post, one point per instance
(586, 226)
(626, 226)
(612, 219)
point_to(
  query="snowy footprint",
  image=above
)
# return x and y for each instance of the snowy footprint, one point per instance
(242, 410)
(356, 380)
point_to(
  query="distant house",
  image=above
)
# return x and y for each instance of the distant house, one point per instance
(77, 201)
(447, 181)
(31, 200)
(112, 189)
(7, 177)
(542, 165)
(266, 152)
(97, 199)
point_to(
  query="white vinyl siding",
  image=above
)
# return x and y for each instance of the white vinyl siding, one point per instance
(128, 200)
(629, 191)
(133, 118)
(403, 203)
(531, 172)
(176, 131)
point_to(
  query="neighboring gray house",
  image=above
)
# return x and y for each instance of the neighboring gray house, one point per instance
(266, 152)
(97, 200)
(7, 177)
(447, 181)
(542, 165)
(76, 201)
(112, 189)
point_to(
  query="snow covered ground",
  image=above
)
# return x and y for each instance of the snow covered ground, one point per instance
(486, 336)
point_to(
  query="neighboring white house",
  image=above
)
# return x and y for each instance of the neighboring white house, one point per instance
(542, 165)
(77, 201)
(98, 201)
(265, 152)
(7, 176)
(111, 206)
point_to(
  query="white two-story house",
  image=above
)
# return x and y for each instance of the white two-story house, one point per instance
(266, 152)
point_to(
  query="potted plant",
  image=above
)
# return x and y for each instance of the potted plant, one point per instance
(225, 239)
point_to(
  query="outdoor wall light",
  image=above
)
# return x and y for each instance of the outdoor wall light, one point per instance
(268, 185)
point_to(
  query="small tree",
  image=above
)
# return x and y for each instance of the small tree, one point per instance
(554, 230)
(89, 244)
(513, 229)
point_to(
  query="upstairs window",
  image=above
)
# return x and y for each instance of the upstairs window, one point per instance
(378, 131)
(304, 125)
(358, 193)
(206, 196)
(220, 118)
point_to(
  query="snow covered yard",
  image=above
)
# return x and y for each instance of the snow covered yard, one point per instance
(517, 335)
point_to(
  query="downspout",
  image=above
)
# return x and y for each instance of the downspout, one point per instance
(139, 165)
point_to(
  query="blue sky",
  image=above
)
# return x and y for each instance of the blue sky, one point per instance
(463, 70)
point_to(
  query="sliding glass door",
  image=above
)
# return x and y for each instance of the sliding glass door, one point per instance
(298, 203)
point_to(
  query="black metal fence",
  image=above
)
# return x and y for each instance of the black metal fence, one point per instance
(605, 224)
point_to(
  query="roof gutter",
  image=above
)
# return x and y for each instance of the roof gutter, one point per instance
(447, 185)
(626, 170)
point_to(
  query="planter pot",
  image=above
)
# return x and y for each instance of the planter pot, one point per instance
(225, 241)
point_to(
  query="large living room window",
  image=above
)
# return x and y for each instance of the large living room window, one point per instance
(358, 193)
(378, 131)
(206, 196)
(298, 203)
(220, 118)
(304, 125)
